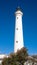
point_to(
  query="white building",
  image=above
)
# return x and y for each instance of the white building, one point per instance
(18, 42)
(1, 57)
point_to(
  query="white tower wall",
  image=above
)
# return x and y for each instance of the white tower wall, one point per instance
(18, 42)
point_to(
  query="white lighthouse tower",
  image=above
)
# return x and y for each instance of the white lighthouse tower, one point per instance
(18, 41)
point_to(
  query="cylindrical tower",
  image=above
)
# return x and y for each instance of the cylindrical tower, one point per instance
(18, 41)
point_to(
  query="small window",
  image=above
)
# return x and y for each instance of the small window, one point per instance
(16, 28)
(16, 41)
(17, 17)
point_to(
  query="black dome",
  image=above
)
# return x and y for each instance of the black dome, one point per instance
(18, 9)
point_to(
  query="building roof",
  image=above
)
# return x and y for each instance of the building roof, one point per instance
(31, 58)
(2, 56)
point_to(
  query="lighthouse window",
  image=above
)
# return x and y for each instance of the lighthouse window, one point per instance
(16, 41)
(16, 28)
(17, 17)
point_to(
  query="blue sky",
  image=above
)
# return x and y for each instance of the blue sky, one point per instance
(7, 25)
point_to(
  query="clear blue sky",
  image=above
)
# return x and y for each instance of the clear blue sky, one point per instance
(7, 24)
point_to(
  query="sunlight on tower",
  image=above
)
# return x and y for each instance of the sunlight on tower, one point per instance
(18, 41)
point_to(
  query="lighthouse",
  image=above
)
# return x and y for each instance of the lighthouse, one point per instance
(18, 39)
